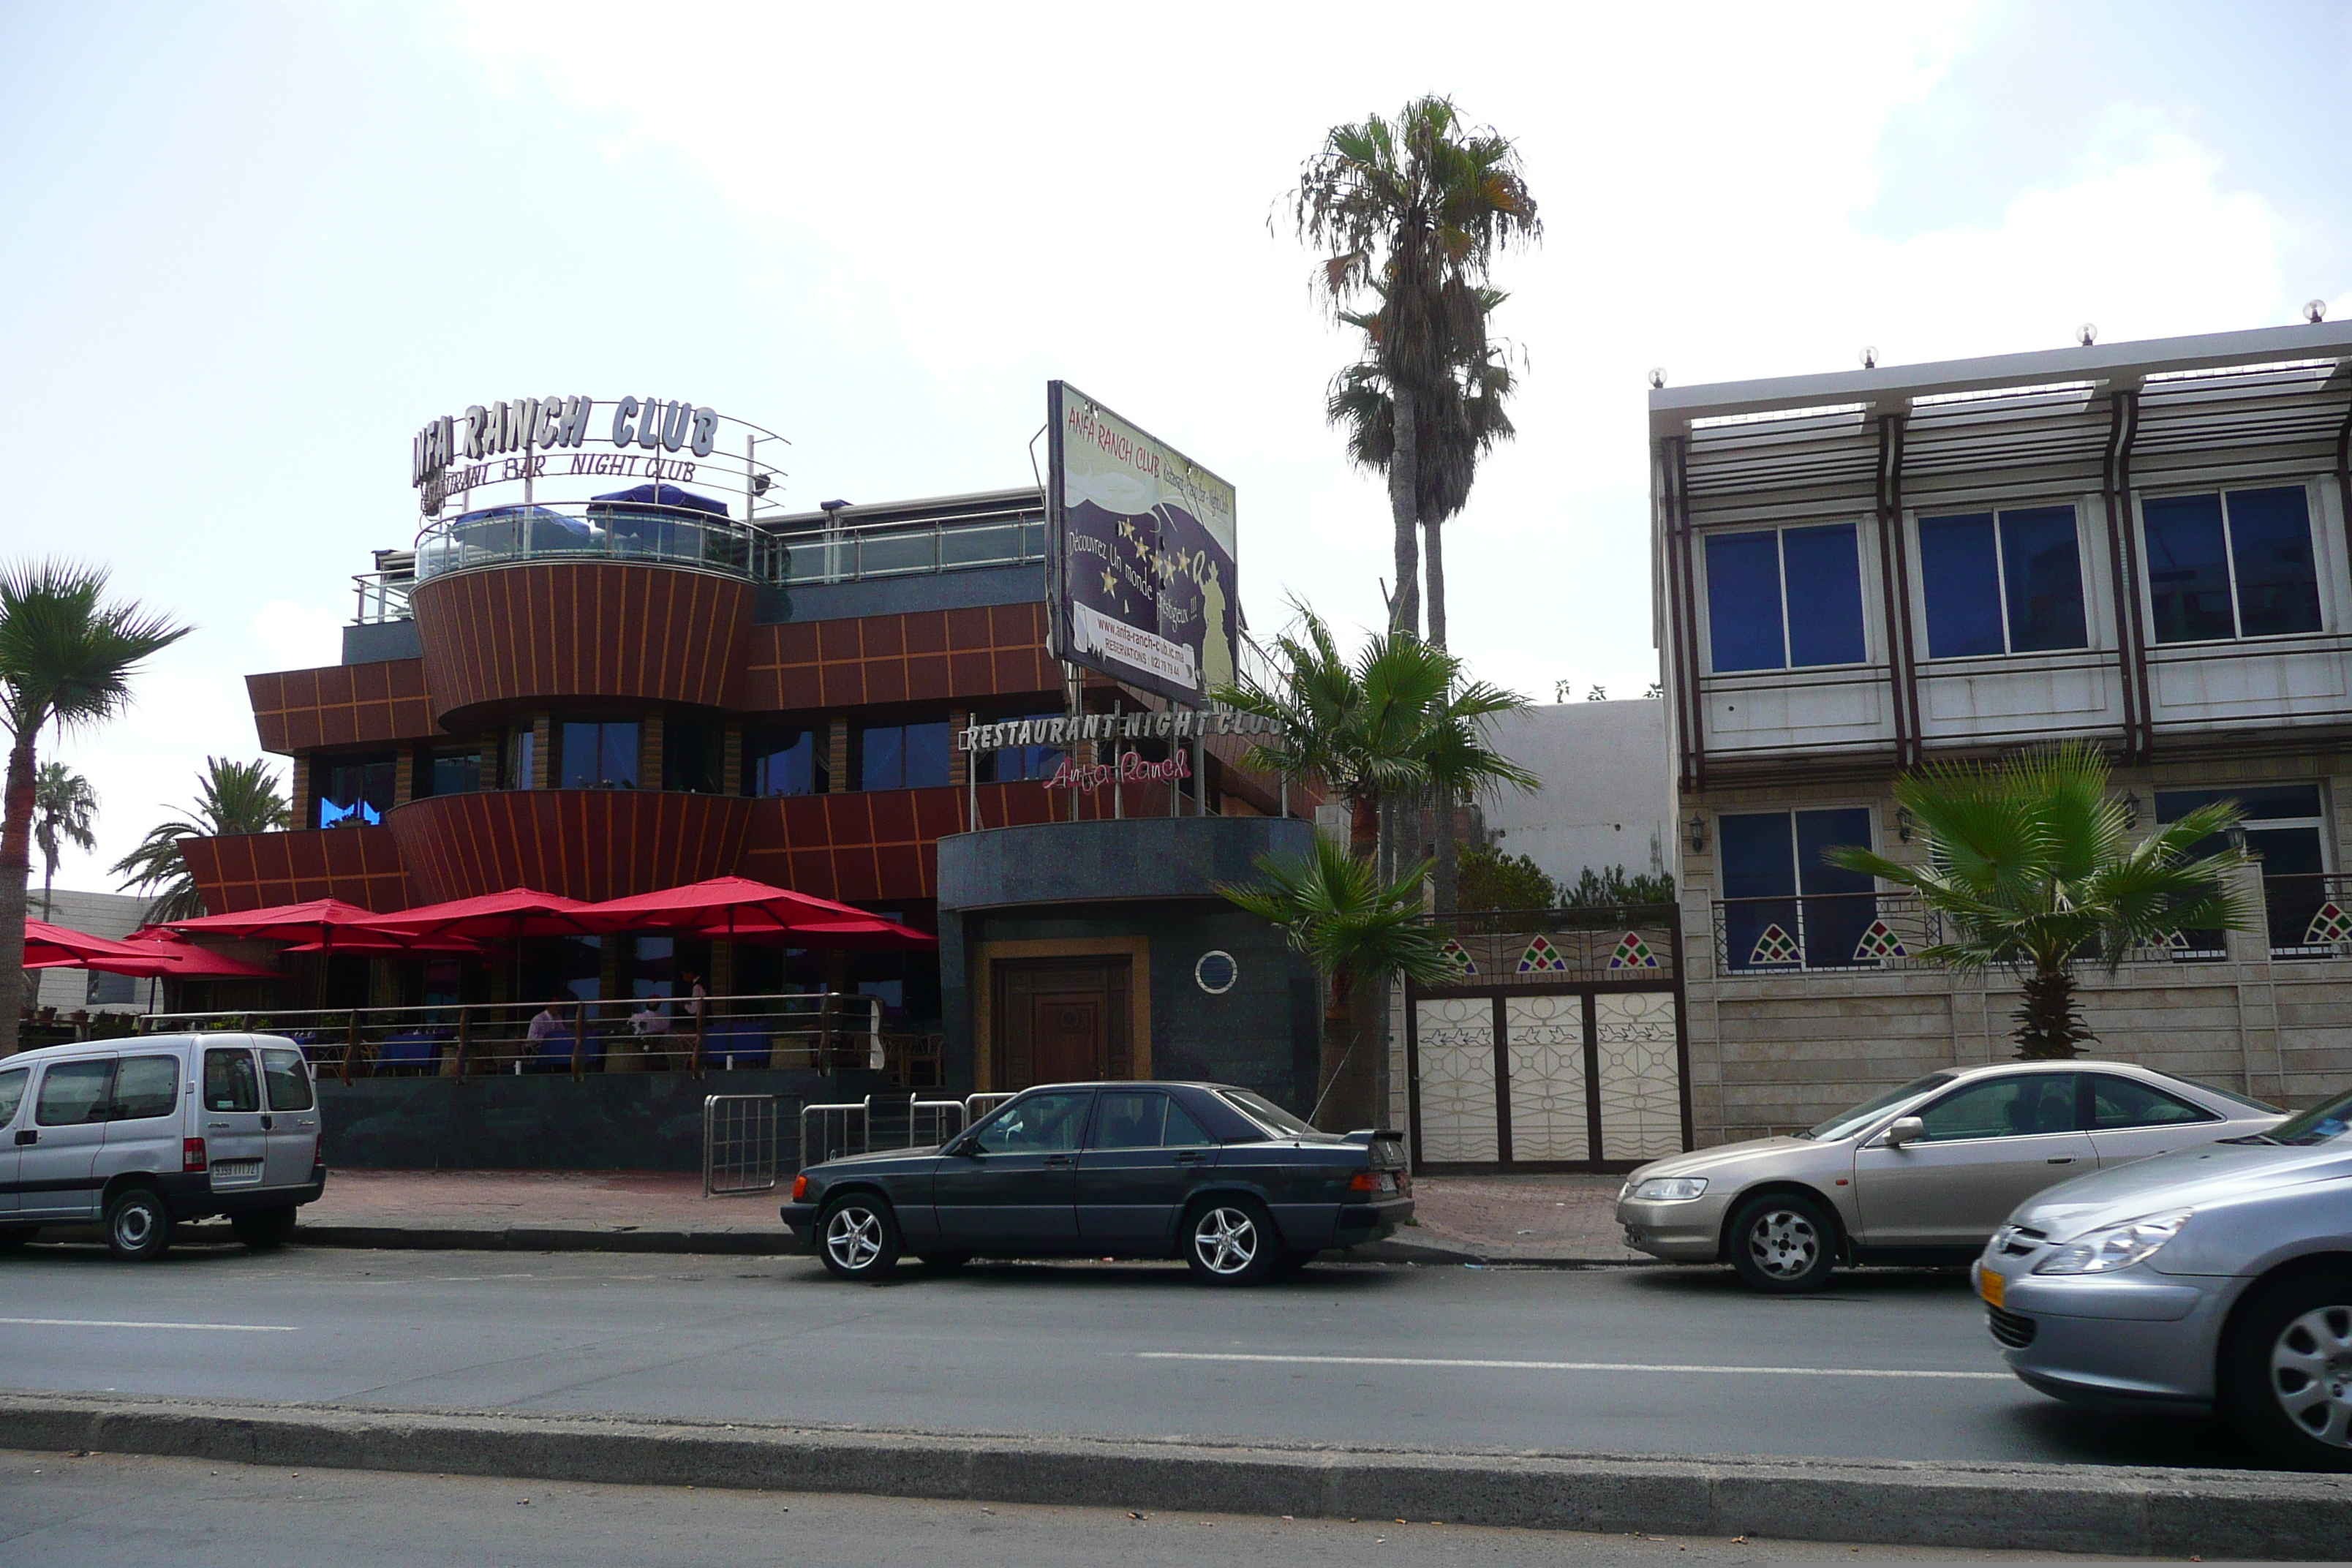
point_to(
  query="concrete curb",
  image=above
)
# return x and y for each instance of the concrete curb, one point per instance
(2034, 1508)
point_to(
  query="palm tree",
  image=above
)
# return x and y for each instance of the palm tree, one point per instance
(1412, 211)
(1357, 930)
(66, 657)
(234, 797)
(64, 805)
(2031, 860)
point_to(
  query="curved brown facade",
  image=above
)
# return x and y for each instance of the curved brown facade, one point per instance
(629, 630)
(582, 844)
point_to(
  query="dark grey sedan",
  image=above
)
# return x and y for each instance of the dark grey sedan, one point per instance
(1230, 1182)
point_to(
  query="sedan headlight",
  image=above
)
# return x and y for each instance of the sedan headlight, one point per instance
(1668, 1189)
(2116, 1246)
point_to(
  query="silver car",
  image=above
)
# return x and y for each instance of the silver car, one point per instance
(2217, 1279)
(1922, 1173)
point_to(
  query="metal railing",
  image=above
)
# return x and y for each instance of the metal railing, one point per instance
(1818, 932)
(381, 598)
(2309, 915)
(611, 530)
(816, 1032)
(896, 550)
(876, 1123)
(739, 1144)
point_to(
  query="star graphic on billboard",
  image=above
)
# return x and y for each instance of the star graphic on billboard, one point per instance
(1110, 582)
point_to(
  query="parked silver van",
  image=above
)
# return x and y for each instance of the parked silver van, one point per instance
(146, 1132)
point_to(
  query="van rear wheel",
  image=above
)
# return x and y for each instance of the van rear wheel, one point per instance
(138, 1225)
(264, 1229)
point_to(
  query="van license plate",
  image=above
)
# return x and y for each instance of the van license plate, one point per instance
(225, 1172)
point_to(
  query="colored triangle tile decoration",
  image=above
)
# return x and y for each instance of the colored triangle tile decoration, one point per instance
(1542, 958)
(1879, 943)
(1774, 945)
(1457, 957)
(2330, 924)
(2176, 940)
(1633, 952)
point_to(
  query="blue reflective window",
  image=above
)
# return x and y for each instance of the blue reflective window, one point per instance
(2270, 548)
(1823, 566)
(1959, 577)
(783, 762)
(598, 755)
(2042, 568)
(902, 756)
(1743, 602)
(1757, 855)
(1010, 762)
(1784, 906)
(2187, 568)
(354, 792)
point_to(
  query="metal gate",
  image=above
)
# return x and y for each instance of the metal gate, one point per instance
(1559, 1044)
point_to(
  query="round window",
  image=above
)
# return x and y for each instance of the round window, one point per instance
(1216, 972)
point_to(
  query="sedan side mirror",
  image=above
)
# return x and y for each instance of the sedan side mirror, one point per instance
(1906, 1130)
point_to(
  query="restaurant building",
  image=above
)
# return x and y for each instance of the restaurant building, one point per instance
(607, 667)
(2143, 545)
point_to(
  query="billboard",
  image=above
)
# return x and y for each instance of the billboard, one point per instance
(1142, 553)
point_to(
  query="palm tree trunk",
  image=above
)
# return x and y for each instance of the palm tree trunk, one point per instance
(2050, 1027)
(15, 873)
(1437, 570)
(1331, 1110)
(1404, 510)
(1449, 859)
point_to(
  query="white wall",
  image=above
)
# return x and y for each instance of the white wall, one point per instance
(1607, 788)
(99, 914)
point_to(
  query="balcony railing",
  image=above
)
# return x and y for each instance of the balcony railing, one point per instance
(383, 597)
(606, 530)
(853, 554)
(2310, 916)
(1819, 933)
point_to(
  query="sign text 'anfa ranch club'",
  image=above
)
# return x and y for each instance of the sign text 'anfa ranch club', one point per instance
(523, 423)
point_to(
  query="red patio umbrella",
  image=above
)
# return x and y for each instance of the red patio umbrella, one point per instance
(318, 920)
(873, 935)
(50, 946)
(146, 956)
(737, 906)
(509, 916)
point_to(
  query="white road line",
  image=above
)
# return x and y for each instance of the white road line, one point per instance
(110, 1323)
(1570, 1365)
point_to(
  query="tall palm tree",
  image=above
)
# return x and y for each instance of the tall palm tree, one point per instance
(232, 797)
(1357, 930)
(2032, 861)
(64, 807)
(1412, 211)
(66, 657)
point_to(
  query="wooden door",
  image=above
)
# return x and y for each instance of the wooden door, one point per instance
(1061, 1021)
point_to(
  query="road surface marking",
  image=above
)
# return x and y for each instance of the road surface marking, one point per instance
(1568, 1365)
(110, 1323)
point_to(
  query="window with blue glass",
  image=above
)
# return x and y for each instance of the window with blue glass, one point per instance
(449, 770)
(2236, 565)
(2003, 582)
(693, 756)
(355, 792)
(786, 760)
(899, 756)
(2287, 825)
(1784, 598)
(1009, 764)
(598, 754)
(1783, 905)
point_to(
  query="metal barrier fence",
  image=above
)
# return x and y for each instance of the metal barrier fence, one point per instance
(880, 1122)
(739, 1144)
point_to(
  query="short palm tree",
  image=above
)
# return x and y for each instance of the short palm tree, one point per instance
(233, 798)
(2032, 862)
(68, 658)
(64, 807)
(1357, 930)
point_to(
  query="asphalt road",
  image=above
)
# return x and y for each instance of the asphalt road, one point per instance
(1651, 1361)
(127, 1512)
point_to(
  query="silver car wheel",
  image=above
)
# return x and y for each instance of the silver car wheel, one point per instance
(2311, 1374)
(853, 1240)
(1225, 1240)
(1783, 1243)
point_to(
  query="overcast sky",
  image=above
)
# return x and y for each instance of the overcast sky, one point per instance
(249, 249)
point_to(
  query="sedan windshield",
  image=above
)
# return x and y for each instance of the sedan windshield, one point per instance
(1273, 1118)
(2331, 1119)
(1846, 1124)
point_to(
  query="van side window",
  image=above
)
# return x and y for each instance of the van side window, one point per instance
(229, 1080)
(74, 1092)
(146, 1087)
(289, 1080)
(12, 1092)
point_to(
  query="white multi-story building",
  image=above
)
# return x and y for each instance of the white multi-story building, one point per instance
(2143, 544)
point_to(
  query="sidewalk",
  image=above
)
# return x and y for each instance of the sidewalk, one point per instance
(1461, 1219)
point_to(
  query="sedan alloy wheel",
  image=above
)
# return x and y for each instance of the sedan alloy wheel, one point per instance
(1231, 1242)
(1783, 1243)
(858, 1239)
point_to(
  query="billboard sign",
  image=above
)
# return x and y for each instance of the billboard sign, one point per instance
(1141, 552)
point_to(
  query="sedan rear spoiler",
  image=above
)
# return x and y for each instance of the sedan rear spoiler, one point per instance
(1365, 1135)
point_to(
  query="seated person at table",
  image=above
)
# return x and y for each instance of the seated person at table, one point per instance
(549, 1025)
(650, 1018)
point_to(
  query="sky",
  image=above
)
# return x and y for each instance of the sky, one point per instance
(249, 249)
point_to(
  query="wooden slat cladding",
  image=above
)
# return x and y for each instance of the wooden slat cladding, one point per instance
(253, 870)
(572, 630)
(929, 655)
(582, 844)
(340, 705)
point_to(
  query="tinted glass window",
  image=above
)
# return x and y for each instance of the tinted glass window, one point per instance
(230, 1083)
(455, 773)
(784, 761)
(598, 755)
(2187, 568)
(354, 791)
(2041, 570)
(1846, 1124)
(1040, 1123)
(1273, 1119)
(145, 1087)
(1183, 1131)
(288, 1079)
(1010, 762)
(2329, 1118)
(12, 1093)
(1124, 1121)
(1758, 857)
(692, 756)
(2004, 1108)
(1743, 602)
(1823, 569)
(2127, 1102)
(2269, 546)
(2201, 548)
(1960, 575)
(74, 1092)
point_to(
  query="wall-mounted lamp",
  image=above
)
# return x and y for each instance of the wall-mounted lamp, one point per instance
(2237, 837)
(1694, 834)
(2131, 809)
(1902, 822)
